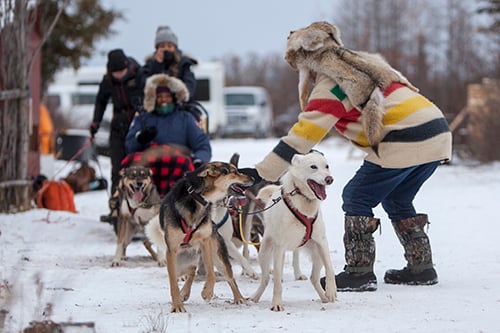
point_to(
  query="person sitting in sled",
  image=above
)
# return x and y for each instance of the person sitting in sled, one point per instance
(165, 137)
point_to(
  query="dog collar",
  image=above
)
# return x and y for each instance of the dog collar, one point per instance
(306, 221)
(222, 221)
(197, 196)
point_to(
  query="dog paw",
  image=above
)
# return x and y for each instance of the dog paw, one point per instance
(178, 308)
(251, 274)
(300, 277)
(116, 263)
(277, 307)
(254, 299)
(240, 300)
(329, 296)
(207, 294)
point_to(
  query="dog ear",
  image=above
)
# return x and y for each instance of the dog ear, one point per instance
(209, 170)
(296, 159)
(121, 172)
(235, 159)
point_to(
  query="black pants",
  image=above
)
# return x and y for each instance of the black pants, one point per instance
(117, 154)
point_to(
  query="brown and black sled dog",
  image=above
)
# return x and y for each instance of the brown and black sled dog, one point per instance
(139, 202)
(184, 228)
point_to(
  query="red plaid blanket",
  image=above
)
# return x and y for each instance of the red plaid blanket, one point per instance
(167, 163)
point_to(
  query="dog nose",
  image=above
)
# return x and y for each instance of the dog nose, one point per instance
(329, 180)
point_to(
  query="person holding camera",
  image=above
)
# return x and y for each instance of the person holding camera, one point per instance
(169, 59)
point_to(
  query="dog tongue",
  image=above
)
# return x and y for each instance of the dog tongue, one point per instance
(138, 195)
(318, 189)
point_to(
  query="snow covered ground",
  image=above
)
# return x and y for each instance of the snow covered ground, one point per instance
(67, 262)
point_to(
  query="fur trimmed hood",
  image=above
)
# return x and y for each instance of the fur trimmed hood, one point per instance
(176, 86)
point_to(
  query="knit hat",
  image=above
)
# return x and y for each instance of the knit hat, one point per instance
(163, 89)
(165, 34)
(117, 60)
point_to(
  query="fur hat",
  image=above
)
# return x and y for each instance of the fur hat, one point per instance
(117, 60)
(176, 86)
(165, 34)
(361, 75)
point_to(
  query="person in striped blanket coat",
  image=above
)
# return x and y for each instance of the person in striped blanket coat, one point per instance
(405, 137)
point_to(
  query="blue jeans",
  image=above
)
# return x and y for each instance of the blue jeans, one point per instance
(394, 188)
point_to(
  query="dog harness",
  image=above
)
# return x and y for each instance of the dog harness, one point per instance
(188, 232)
(306, 221)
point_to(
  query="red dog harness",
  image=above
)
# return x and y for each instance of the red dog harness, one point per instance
(306, 221)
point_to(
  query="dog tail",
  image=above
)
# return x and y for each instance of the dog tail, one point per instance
(155, 234)
(265, 194)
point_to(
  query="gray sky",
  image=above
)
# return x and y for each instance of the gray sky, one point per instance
(210, 29)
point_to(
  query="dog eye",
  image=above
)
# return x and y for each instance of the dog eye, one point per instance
(314, 167)
(224, 171)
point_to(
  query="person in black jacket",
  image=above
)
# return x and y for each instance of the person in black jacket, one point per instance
(124, 84)
(169, 59)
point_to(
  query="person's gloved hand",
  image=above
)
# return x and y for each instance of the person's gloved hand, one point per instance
(168, 58)
(197, 163)
(252, 172)
(94, 127)
(146, 135)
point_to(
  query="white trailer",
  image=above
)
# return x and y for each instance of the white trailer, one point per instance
(210, 78)
(73, 94)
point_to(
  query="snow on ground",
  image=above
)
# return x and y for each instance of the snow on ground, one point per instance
(70, 258)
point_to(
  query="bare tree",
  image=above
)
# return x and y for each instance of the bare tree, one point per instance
(17, 21)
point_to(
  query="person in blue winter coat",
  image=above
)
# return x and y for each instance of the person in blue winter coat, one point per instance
(164, 132)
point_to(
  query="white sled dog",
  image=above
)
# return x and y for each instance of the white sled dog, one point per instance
(295, 221)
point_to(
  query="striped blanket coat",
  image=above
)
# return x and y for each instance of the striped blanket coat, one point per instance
(415, 130)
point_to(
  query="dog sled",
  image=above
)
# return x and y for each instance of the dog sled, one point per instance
(75, 147)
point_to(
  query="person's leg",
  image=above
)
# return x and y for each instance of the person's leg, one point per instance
(369, 186)
(117, 154)
(409, 227)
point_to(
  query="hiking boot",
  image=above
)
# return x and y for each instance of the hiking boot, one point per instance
(419, 270)
(359, 255)
(354, 281)
(108, 219)
(112, 217)
(406, 276)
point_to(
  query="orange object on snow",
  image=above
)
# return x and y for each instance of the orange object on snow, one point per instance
(56, 195)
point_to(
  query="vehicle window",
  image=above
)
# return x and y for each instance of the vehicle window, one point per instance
(83, 99)
(239, 99)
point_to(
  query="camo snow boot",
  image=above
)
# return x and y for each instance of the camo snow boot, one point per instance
(359, 255)
(419, 270)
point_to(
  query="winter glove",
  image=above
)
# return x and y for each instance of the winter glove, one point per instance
(94, 127)
(168, 59)
(197, 163)
(146, 135)
(252, 172)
